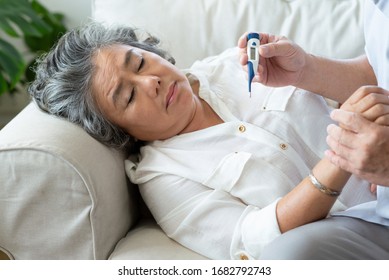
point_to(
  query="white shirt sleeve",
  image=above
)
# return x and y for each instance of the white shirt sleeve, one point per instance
(210, 222)
(256, 228)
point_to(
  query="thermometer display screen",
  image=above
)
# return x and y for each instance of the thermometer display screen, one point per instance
(252, 53)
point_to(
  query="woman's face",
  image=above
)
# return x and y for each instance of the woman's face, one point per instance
(142, 93)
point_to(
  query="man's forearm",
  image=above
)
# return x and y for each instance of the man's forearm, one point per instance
(336, 79)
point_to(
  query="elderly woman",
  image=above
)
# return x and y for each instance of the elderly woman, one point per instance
(222, 173)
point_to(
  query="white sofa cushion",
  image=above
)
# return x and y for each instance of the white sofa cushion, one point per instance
(147, 241)
(196, 29)
(63, 195)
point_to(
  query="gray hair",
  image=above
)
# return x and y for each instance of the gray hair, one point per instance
(63, 83)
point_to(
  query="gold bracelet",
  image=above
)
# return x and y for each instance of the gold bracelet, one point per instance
(321, 187)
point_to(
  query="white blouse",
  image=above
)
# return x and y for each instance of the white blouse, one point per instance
(215, 190)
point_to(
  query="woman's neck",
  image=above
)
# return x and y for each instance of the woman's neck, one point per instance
(204, 115)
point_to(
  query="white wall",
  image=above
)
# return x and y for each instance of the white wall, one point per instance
(76, 12)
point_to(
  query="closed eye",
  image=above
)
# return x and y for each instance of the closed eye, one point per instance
(132, 95)
(133, 92)
(141, 64)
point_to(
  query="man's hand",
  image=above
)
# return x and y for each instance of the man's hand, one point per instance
(360, 143)
(281, 61)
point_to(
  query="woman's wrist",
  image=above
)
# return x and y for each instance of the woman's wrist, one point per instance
(307, 202)
(322, 188)
(330, 176)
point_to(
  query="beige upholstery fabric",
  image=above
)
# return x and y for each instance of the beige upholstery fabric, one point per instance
(63, 195)
(147, 241)
(198, 28)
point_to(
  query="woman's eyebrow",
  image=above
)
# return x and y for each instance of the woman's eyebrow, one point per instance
(127, 57)
(118, 89)
(116, 93)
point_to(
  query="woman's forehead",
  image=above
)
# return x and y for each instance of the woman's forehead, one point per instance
(105, 75)
(108, 59)
(110, 54)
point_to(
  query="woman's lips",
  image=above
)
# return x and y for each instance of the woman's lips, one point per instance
(171, 94)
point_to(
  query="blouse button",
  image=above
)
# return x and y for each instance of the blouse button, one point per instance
(243, 257)
(283, 146)
(242, 128)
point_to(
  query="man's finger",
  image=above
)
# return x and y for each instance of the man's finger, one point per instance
(364, 91)
(350, 120)
(338, 161)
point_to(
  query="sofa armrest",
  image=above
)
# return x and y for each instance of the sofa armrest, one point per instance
(63, 195)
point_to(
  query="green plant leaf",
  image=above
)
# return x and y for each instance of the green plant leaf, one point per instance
(44, 43)
(37, 26)
(26, 27)
(11, 68)
(22, 15)
(7, 28)
(10, 50)
(3, 85)
(48, 17)
(11, 64)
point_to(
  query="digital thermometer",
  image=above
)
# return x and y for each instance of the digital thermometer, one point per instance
(253, 56)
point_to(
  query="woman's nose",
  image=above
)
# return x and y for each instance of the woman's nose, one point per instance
(151, 85)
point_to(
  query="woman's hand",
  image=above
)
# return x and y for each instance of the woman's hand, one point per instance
(372, 102)
(281, 61)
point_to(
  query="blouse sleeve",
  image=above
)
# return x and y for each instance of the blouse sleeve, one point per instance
(211, 222)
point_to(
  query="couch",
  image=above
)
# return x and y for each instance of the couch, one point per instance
(63, 195)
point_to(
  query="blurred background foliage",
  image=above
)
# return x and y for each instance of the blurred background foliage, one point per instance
(36, 27)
